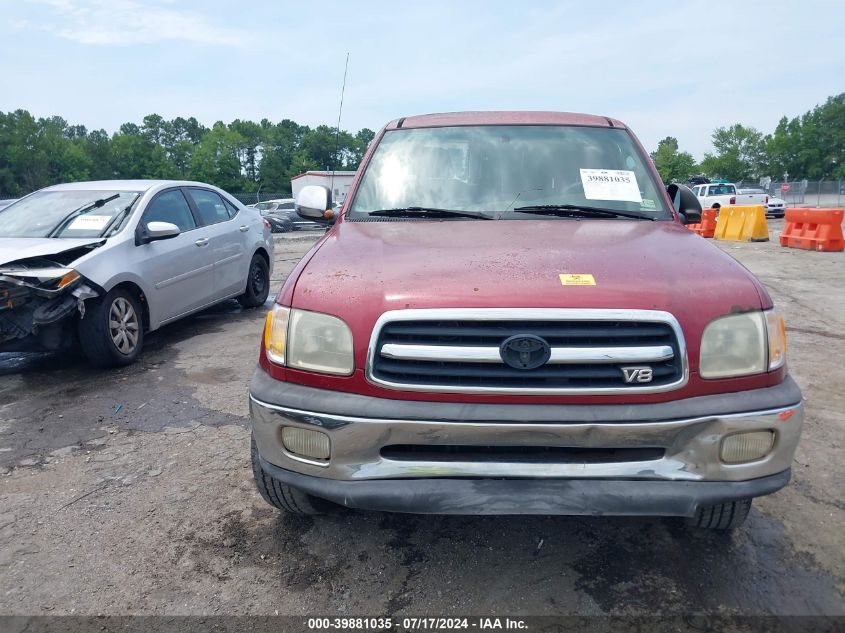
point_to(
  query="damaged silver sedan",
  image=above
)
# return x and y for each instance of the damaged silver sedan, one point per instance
(102, 263)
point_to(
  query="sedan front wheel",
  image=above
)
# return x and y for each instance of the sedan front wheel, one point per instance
(112, 330)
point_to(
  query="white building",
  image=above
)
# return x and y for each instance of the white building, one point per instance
(337, 181)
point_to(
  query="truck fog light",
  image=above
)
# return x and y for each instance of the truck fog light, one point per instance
(306, 443)
(746, 447)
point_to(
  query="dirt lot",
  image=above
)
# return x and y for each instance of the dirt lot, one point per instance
(130, 492)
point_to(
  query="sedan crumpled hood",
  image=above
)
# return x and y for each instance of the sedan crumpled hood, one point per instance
(17, 248)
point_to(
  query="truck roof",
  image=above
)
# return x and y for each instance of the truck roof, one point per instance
(448, 119)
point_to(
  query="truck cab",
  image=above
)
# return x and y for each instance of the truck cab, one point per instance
(717, 195)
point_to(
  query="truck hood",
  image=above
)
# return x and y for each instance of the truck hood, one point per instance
(362, 269)
(17, 248)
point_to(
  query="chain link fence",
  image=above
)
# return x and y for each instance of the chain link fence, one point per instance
(261, 196)
(803, 193)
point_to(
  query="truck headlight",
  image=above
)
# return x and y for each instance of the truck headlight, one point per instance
(776, 331)
(308, 340)
(276, 333)
(742, 344)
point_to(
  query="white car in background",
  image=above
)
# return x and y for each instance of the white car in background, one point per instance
(106, 261)
(775, 207)
(283, 217)
(715, 195)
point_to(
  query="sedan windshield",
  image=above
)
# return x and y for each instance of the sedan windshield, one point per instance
(497, 170)
(71, 213)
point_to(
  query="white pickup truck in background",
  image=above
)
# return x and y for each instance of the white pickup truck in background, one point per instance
(724, 194)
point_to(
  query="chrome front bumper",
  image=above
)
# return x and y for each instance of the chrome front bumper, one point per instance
(690, 444)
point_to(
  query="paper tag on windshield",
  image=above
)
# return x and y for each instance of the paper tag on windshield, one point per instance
(89, 223)
(610, 184)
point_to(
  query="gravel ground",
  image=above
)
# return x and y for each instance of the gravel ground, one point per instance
(130, 492)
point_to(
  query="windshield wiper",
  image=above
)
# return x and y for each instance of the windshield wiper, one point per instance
(118, 219)
(428, 212)
(76, 212)
(579, 211)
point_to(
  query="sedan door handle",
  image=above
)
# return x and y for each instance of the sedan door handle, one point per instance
(202, 241)
(244, 228)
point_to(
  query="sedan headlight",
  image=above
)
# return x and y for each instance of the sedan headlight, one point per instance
(742, 344)
(308, 340)
(45, 278)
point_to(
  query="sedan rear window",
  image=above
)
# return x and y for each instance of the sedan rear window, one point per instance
(210, 206)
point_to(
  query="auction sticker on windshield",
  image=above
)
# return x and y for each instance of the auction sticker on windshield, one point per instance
(610, 184)
(89, 223)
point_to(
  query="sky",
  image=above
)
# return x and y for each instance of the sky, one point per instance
(665, 68)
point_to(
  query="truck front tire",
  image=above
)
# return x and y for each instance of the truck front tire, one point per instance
(283, 497)
(721, 517)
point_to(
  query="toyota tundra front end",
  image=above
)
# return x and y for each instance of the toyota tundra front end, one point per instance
(507, 318)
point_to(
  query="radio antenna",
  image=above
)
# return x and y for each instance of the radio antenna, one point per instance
(337, 129)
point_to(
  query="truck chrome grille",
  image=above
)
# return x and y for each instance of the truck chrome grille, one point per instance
(588, 351)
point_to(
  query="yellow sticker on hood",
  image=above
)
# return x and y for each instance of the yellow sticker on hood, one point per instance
(577, 280)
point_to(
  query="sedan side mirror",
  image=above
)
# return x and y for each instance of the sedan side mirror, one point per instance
(159, 231)
(685, 202)
(315, 203)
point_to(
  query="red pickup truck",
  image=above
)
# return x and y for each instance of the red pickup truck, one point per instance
(507, 317)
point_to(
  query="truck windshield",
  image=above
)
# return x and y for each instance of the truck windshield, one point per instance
(495, 169)
(72, 213)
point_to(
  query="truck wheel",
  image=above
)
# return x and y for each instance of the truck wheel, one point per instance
(282, 496)
(257, 283)
(722, 517)
(112, 331)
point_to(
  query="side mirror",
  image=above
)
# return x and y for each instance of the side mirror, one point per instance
(159, 231)
(315, 203)
(685, 202)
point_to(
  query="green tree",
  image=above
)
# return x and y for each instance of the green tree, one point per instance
(673, 166)
(25, 154)
(98, 148)
(811, 146)
(740, 154)
(320, 148)
(249, 147)
(240, 156)
(281, 142)
(216, 161)
(135, 154)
